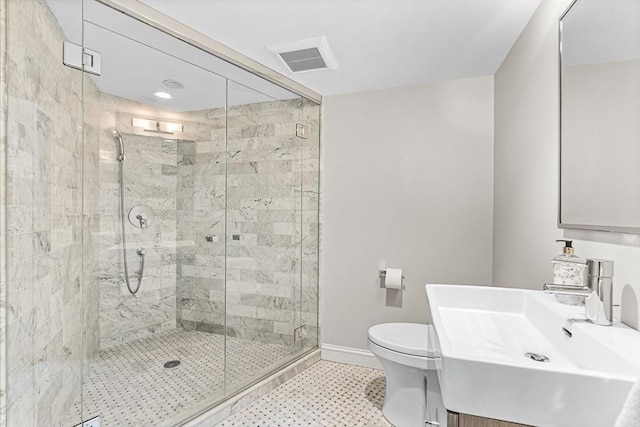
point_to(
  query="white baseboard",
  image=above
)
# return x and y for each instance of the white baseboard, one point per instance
(350, 355)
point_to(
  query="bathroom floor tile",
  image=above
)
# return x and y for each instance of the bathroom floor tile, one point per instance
(128, 385)
(325, 394)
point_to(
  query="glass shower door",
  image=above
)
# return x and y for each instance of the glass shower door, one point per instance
(154, 191)
(268, 241)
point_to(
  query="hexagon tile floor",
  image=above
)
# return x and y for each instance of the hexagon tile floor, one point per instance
(325, 394)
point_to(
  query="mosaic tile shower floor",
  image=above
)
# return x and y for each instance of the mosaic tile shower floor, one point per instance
(326, 394)
(128, 385)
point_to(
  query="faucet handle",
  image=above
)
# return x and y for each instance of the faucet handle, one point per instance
(568, 290)
(600, 267)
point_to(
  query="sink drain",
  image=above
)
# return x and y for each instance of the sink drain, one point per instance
(171, 363)
(537, 357)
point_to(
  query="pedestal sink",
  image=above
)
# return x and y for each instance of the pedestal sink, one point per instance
(505, 356)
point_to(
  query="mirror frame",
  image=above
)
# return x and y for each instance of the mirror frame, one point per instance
(561, 224)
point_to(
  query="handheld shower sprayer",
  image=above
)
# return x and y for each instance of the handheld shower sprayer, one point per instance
(117, 136)
(143, 222)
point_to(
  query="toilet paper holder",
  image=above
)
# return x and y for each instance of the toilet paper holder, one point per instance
(382, 269)
(383, 273)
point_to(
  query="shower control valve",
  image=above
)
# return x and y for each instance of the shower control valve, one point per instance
(143, 220)
(141, 216)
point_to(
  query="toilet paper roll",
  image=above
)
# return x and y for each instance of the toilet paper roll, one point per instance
(393, 278)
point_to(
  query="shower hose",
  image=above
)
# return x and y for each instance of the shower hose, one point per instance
(139, 251)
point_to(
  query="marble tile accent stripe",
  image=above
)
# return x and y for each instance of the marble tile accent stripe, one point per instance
(127, 385)
(326, 394)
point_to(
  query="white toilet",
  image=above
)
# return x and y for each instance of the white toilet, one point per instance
(412, 394)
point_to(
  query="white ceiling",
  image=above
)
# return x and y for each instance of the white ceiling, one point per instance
(597, 31)
(136, 59)
(377, 43)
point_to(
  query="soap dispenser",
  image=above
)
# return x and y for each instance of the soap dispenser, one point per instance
(569, 269)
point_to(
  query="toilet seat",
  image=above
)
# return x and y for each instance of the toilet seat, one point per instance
(410, 359)
(407, 338)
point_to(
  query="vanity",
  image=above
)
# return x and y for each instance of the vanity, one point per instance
(505, 359)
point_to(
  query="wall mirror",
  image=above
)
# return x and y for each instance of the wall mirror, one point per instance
(600, 116)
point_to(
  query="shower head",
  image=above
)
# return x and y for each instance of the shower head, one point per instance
(117, 135)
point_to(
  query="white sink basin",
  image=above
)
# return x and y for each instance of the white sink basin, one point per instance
(483, 334)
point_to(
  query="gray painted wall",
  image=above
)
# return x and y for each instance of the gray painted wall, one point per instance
(526, 155)
(526, 170)
(407, 178)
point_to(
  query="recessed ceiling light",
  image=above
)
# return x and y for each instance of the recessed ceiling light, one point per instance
(163, 95)
(173, 84)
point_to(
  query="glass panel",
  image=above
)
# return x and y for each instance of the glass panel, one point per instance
(310, 170)
(154, 196)
(263, 233)
(44, 218)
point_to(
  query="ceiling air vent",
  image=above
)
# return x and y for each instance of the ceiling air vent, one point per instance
(306, 55)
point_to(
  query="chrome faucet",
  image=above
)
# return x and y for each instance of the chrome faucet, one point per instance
(599, 304)
(598, 293)
(568, 325)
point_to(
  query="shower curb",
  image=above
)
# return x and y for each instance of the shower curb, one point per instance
(250, 395)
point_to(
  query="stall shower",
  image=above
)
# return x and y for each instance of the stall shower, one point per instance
(160, 222)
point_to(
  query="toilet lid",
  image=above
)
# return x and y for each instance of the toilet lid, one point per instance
(408, 338)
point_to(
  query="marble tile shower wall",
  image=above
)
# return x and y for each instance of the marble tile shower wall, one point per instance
(3, 213)
(44, 221)
(183, 181)
(91, 222)
(266, 200)
(310, 170)
(150, 179)
(201, 209)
